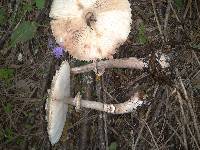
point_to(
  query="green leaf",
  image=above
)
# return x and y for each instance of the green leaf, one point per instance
(113, 146)
(9, 135)
(19, 141)
(179, 3)
(8, 108)
(197, 46)
(197, 86)
(2, 16)
(6, 73)
(142, 39)
(40, 4)
(28, 126)
(27, 7)
(24, 32)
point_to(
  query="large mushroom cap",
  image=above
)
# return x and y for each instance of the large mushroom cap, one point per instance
(56, 109)
(90, 29)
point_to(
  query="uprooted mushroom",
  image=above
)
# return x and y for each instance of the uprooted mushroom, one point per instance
(59, 98)
(90, 29)
(59, 94)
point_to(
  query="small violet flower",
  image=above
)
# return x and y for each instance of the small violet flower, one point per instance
(58, 52)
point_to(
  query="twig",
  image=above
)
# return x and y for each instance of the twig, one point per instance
(156, 16)
(85, 124)
(156, 144)
(175, 131)
(193, 137)
(134, 145)
(194, 117)
(167, 18)
(196, 5)
(101, 133)
(187, 8)
(174, 11)
(105, 116)
(184, 121)
(196, 57)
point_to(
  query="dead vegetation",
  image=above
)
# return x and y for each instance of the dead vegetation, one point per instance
(169, 119)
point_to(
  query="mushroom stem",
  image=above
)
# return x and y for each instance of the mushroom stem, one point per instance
(120, 108)
(131, 62)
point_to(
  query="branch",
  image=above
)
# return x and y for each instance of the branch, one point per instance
(120, 108)
(131, 62)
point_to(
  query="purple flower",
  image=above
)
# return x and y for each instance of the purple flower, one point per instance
(58, 52)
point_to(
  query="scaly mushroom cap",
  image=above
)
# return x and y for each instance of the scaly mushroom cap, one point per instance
(91, 29)
(56, 109)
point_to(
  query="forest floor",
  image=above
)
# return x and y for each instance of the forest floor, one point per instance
(169, 118)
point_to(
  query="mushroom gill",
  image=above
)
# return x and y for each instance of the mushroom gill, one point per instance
(90, 29)
(56, 109)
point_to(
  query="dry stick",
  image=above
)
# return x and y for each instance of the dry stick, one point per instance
(171, 136)
(193, 137)
(142, 137)
(163, 100)
(196, 5)
(184, 121)
(120, 108)
(101, 134)
(156, 144)
(156, 16)
(85, 125)
(131, 62)
(169, 108)
(158, 95)
(196, 57)
(178, 122)
(105, 116)
(134, 146)
(187, 8)
(197, 60)
(190, 15)
(174, 11)
(78, 123)
(175, 131)
(167, 18)
(190, 106)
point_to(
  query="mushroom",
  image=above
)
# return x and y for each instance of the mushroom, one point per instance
(90, 29)
(56, 109)
(59, 98)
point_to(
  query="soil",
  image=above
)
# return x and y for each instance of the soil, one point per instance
(169, 117)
